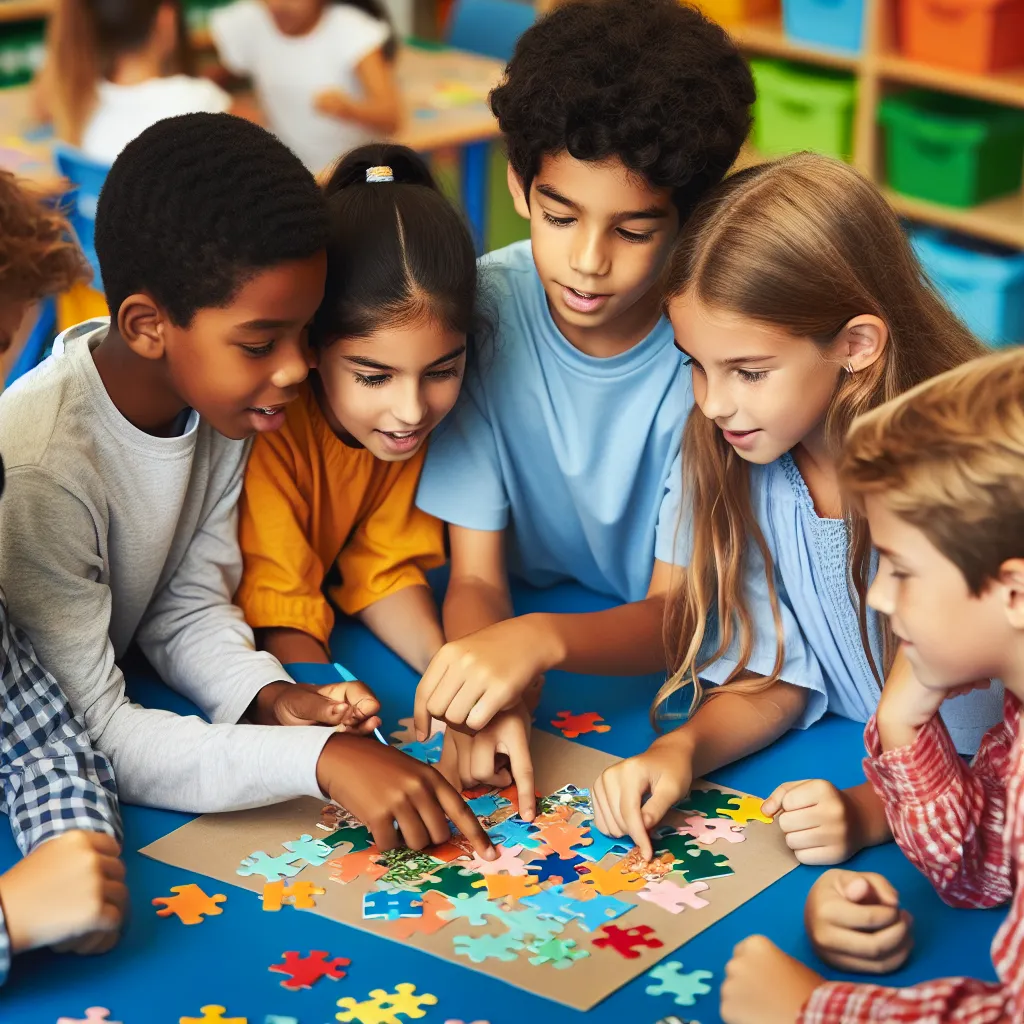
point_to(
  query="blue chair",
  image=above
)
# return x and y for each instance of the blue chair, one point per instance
(87, 177)
(489, 27)
(37, 342)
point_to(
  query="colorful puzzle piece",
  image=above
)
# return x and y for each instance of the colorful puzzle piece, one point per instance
(652, 870)
(212, 1015)
(313, 851)
(510, 888)
(476, 909)
(276, 1018)
(525, 923)
(564, 839)
(627, 941)
(299, 894)
(481, 806)
(93, 1015)
(427, 751)
(573, 726)
(708, 802)
(554, 814)
(453, 881)
(550, 867)
(488, 947)
(350, 866)
(191, 905)
(674, 898)
(593, 913)
(448, 852)
(390, 906)
(576, 797)
(407, 869)
(384, 1007)
(271, 868)
(610, 881)
(357, 836)
(429, 923)
(560, 953)
(685, 987)
(707, 830)
(507, 861)
(548, 903)
(515, 832)
(405, 733)
(699, 862)
(601, 845)
(746, 808)
(305, 971)
(673, 842)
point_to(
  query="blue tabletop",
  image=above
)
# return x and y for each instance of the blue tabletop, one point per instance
(162, 969)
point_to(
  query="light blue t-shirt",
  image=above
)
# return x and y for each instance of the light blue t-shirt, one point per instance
(569, 452)
(823, 650)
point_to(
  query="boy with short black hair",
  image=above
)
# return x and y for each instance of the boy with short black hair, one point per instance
(618, 116)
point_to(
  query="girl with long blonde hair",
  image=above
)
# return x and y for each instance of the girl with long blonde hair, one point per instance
(799, 303)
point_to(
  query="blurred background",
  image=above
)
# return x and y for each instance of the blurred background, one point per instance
(926, 97)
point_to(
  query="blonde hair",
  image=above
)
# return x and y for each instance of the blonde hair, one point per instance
(803, 244)
(948, 456)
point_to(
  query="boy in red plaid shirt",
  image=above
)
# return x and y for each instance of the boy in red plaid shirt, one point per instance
(940, 475)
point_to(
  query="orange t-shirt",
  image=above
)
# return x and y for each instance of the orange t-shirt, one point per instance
(309, 502)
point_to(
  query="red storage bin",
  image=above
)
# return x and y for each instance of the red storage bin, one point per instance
(979, 36)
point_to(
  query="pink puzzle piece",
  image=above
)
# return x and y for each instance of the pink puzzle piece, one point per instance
(707, 830)
(93, 1015)
(674, 898)
(507, 861)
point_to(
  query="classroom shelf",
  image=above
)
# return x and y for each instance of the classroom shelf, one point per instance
(1001, 220)
(1005, 87)
(24, 10)
(767, 38)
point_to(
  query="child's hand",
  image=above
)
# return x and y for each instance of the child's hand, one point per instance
(618, 795)
(347, 706)
(821, 824)
(333, 103)
(498, 755)
(470, 680)
(401, 800)
(763, 985)
(68, 891)
(855, 922)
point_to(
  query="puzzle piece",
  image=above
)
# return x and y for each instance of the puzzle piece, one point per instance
(481, 806)
(610, 881)
(430, 922)
(275, 1018)
(573, 726)
(190, 905)
(576, 797)
(560, 953)
(652, 870)
(304, 971)
(476, 909)
(709, 802)
(674, 898)
(507, 861)
(212, 1015)
(271, 868)
(453, 881)
(427, 751)
(556, 813)
(448, 852)
(525, 923)
(300, 894)
(313, 851)
(626, 941)
(562, 868)
(685, 987)
(548, 903)
(563, 839)
(384, 1007)
(390, 906)
(351, 866)
(407, 869)
(510, 888)
(746, 808)
(93, 1015)
(488, 947)
(601, 845)
(673, 842)
(699, 862)
(405, 733)
(707, 830)
(593, 913)
(514, 831)
(358, 836)
(331, 817)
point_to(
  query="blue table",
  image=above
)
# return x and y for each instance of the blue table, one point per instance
(162, 969)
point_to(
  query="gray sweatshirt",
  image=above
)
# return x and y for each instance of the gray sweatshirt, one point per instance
(108, 534)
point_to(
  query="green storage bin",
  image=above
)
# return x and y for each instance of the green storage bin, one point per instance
(798, 108)
(951, 149)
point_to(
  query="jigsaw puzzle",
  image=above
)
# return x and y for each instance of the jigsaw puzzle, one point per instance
(672, 981)
(386, 1007)
(305, 971)
(191, 905)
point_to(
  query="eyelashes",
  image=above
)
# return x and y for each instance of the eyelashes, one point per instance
(634, 237)
(376, 380)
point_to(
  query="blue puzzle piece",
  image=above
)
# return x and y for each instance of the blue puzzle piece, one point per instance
(591, 914)
(603, 844)
(390, 906)
(483, 806)
(427, 751)
(476, 909)
(273, 869)
(554, 867)
(515, 832)
(313, 851)
(548, 903)
(524, 923)
(274, 1018)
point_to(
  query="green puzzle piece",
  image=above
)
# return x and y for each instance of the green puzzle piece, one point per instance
(674, 843)
(454, 882)
(699, 862)
(359, 836)
(709, 802)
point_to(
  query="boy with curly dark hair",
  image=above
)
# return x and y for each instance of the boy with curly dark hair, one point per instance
(618, 116)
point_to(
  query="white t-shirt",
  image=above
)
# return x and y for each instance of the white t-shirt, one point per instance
(290, 71)
(125, 111)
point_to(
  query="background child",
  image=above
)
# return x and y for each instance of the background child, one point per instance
(798, 303)
(334, 489)
(555, 462)
(114, 68)
(322, 70)
(58, 793)
(939, 474)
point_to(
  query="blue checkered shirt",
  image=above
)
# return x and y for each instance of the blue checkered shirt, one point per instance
(52, 779)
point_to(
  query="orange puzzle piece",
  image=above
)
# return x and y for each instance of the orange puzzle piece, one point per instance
(609, 881)
(405, 927)
(349, 867)
(561, 837)
(299, 893)
(507, 887)
(190, 905)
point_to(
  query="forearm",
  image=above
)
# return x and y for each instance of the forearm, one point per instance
(379, 113)
(869, 810)
(408, 622)
(292, 646)
(472, 603)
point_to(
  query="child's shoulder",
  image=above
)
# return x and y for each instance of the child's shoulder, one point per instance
(508, 278)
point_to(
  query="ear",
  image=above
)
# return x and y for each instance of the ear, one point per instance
(142, 323)
(862, 341)
(519, 197)
(1011, 579)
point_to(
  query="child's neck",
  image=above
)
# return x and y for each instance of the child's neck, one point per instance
(138, 67)
(138, 387)
(622, 334)
(817, 466)
(327, 411)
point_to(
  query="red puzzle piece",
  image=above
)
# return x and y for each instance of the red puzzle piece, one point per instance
(626, 940)
(576, 725)
(303, 971)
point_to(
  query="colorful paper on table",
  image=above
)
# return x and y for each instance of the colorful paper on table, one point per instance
(214, 845)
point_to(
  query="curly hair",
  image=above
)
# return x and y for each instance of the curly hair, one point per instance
(37, 256)
(196, 206)
(652, 82)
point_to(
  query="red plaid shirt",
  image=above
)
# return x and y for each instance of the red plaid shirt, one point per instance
(961, 827)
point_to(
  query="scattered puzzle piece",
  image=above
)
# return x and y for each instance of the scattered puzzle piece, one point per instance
(516, 832)
(448, 852)
(685, 987)
(93, 1015)
(384, 1007)
(357, 836)
(626, 941)
(331, 817)
(350, 866)
(560, 953)
(707, 830)
(554, 814)
(488, 947)
(525, 923)
(299, 894)
(548, 868)
(593, 913)
(699, 862)
(313, 851)
(305, 971)
(428, 751)
(674, 898)
(428, 924)
(576, 797)
(407, 869)
(708, 802)
(510, 888)
(652, 870)
(481, 806)
(563, 839)
(610, 881)
(746, 808)
(476, 909)
(276, 1018)
(271, 868)
(573, 726)
(507, 861)
(190, 905)
(212, 1015)
(453, 881)
(405, 733)
(601, 845)
(548, 903)
(390, 906)
(673, 842)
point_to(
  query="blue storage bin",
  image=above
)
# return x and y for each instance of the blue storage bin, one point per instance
(983, 283)
(837, 24)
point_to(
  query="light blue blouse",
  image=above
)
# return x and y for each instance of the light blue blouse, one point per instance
(822, 644)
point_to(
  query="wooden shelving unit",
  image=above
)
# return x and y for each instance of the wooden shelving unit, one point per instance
(24, 10)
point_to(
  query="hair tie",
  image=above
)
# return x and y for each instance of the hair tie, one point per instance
(375, 175)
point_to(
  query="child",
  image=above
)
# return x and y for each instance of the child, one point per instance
(58, 793)
(322, 70)
(797, 301)
(939, 474)
(556, 460)
(336, 486)
(114, 68)
(125, 459)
